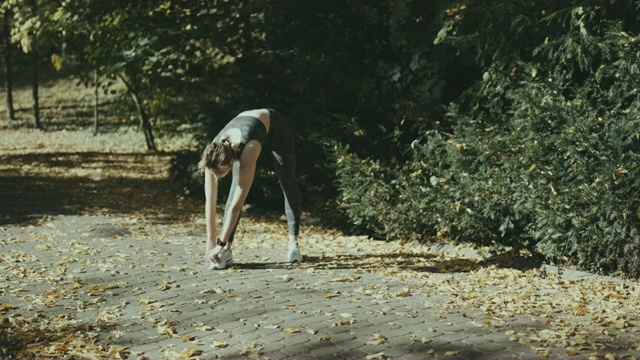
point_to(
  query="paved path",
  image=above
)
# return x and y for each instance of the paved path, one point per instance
(139, 289)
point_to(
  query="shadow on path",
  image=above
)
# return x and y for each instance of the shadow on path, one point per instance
(432, 263)
(70, 183)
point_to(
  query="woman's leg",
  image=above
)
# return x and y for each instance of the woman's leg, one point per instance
(282, 148)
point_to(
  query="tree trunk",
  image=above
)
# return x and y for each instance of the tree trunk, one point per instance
(35, 86)
(7, 66)
(95, 101)
(36, 82)
(145, 124)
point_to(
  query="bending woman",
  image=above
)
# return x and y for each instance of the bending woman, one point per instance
(236, 149)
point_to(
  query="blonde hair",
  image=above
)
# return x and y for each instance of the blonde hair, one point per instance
(216, 155)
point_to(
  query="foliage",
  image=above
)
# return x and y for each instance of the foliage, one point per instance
(544, 149)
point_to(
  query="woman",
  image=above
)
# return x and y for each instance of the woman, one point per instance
(236, 149)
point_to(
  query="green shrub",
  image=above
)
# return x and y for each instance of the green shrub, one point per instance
(544, 150)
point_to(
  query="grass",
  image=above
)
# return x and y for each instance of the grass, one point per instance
(67, 117)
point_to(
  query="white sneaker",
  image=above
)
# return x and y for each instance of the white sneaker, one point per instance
(294, 253)
(226, 259)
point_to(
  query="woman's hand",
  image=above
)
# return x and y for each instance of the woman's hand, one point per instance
(214, 254)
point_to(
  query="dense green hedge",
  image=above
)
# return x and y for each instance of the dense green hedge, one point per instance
(543, 153)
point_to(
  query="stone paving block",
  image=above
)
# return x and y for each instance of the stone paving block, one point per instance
(271, 346)
(397, 351)
(454, 337)
(496, 336)
(251, 337)
(338, 329)
(230, 326)
(273, 338)
(296, 339)
(400, 332)
(325, 350)
(297, 350)
(318, 321)
(352, 354)
(491, 347)
(418, 328)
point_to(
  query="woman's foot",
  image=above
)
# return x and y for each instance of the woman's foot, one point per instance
(294, 253)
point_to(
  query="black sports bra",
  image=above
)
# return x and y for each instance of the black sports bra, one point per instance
(251, 128)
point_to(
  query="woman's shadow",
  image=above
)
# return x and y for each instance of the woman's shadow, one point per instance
(428, 262)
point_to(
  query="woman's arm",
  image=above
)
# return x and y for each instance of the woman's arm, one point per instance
(246, 175)
(211, 194)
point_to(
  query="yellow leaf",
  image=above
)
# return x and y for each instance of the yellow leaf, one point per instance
(451, 353)
(404, 293)
(187, 338)
(118, 352)
(253, 347)
(324, 338)
(571, 352)
(621, 324)
(379, 355)
(377, 339)
(5, 307)
(426, 340)
(166, 330)
(220, 345)
(291, 331)
(542, 352)
(189, 353)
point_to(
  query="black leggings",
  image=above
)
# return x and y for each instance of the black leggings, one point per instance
(280, 145)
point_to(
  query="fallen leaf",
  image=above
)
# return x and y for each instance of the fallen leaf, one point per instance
(404, 293)
(379, 355)
(189, 353)
(6, 307)
(571, 352)
(377, 339)
(166, 330)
